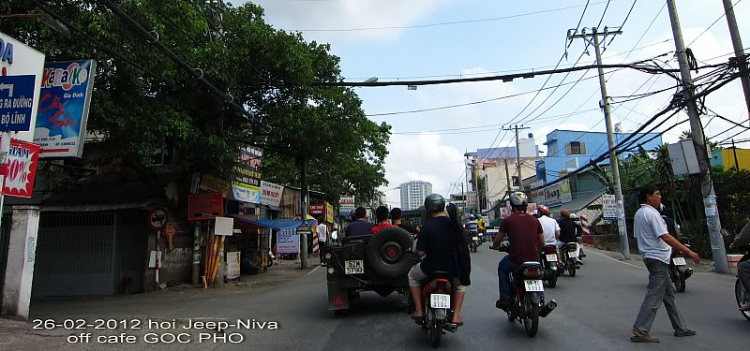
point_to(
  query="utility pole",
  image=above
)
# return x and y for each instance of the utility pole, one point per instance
(507, 175)
(707, 185)
(303, 202)
(739, 50)
(621, 224)
(516, 128)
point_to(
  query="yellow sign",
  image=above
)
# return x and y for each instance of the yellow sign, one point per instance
(329, 212)
(214, 184)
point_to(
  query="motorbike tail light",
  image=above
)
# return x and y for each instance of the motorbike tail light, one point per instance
(532, 272)
(572, 248)
(442, 285)
(550, 249)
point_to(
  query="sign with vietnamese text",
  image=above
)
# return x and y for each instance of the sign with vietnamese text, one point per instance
(346, 205)
(287, 241)
(20, 169)
(316, 209)
(214, 184)
(609, 207)
(64, 102)
(246, 176)
(270, 193)
(205, 206)
(18, 59)
(16, 102)
(329, 213)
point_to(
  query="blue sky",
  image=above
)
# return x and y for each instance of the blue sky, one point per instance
(520, 43)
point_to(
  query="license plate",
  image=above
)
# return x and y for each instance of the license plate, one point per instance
(355, 267)
(534, 285)
(440, 301)
(679, 261)
(475, 239)
(552, 258)
(573, 254)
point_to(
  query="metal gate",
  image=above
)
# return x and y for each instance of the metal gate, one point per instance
(77, 254)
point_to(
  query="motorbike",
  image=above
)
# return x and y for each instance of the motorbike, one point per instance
(569, 258)
(436, 297)
(549, 264)
(740, 293)
(679, 271)
(474, 241)
(526, 301)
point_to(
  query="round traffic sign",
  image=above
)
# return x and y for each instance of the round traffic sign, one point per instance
(157, 219)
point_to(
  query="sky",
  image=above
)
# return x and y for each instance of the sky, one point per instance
(440, 39)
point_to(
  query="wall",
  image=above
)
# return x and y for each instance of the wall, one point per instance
(177, 265)
(497, 183)
(725, 158)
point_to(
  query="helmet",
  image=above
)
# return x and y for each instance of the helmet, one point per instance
(477, 216)
(434, 203)
(543, 210)
(519, 199)
(574, 216)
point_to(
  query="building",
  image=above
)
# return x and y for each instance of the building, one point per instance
(413, 194)
(568, 150)
(731, 158)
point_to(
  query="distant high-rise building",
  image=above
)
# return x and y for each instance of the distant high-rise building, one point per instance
(413, 194)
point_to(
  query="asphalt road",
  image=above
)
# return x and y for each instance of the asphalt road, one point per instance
(595, 311)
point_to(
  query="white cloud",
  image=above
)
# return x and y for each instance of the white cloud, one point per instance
(346, 14)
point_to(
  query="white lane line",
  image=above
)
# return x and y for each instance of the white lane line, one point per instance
(616, 260)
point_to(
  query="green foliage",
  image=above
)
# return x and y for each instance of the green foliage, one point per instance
(269, 72)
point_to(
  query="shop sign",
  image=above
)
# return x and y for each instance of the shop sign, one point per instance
(287, 241)
(346, 205)
(20, 169)
(316, 209)
(64, 108)
(18, 60)
(16, 102)
(271, 193)
(329, 213)
(246, 176)
(609, 207)
(214, 184)
(205, 206)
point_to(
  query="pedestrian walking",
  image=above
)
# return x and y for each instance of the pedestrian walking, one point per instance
(656, 245)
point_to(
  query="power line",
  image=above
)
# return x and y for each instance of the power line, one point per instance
(712, 24)
(493, 19)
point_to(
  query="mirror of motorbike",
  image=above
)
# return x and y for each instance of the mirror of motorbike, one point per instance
(335, 235)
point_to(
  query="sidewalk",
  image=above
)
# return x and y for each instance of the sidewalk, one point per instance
(175, 303)
(706, 266)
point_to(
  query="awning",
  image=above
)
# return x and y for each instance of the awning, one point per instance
(581, 201)
(272, 223)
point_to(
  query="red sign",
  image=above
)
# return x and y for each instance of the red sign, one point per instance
(205, 206)
(20, 169)
(157, 219)
(317, 209)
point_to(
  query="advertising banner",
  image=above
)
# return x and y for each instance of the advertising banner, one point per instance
(329, 213)
(20, 171)
(246, 176)
(316, 209)
(346, 205)
(271, 193)
(287, 241)
(205, 206)
(64, 108)
(214, 184)
(609, 207)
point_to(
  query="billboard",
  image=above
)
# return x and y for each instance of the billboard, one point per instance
(346, 205)
(205, 206)
(64, 108)
(609, 207)
(246, 176)
(18, 60)
(271, 193)
(287, 241)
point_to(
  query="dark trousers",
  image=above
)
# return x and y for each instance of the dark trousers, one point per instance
(660, 290)
(743, 270)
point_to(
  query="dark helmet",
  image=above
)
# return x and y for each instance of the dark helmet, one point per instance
(477, 216)
(434, 203)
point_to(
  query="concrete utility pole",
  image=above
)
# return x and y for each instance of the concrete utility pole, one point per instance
(621, 224)
(303, 202)
(507, 175)
(707, 185)
(516, 128)
(739, 50)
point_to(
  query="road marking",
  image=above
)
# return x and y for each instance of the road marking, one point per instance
(616, 260)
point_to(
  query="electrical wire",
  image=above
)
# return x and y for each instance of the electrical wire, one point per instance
(712, 24)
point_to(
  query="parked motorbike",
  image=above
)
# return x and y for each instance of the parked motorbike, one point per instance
(740, 293)
(436, 297)
(549, 264)
(679, 271)
(569, 258)
(526, 302)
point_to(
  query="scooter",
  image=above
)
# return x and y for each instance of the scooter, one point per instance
(549, 264)
(436, 297)
(474, 241)
(570, 256)
(679, 271)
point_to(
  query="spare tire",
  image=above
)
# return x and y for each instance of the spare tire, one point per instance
(388, 254)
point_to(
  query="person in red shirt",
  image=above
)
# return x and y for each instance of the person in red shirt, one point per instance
(526, 238)
(381, 213)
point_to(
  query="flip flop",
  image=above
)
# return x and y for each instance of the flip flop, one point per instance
(458, 324)
(418, 319)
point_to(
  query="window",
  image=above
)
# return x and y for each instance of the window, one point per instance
(576, 148)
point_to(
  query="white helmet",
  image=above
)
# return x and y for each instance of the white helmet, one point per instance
(519, 199)
(573, 216)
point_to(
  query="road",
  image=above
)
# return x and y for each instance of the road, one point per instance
(596, 310)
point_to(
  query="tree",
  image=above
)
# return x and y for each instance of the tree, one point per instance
(146, 103)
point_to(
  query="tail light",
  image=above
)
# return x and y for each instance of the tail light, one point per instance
(442, 286)
(572, 248)
(550, 249)
(532, 272)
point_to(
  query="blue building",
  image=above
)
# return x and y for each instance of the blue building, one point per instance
(568, 150)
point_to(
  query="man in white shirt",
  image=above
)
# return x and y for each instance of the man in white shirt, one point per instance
(550, 226)
(656, 244)
(322, 237)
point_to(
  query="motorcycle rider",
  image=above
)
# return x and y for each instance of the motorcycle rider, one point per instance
(567, 230)
(550, 227)
(526, 238)
(439, 241)
(579, 236)
(743, 269)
